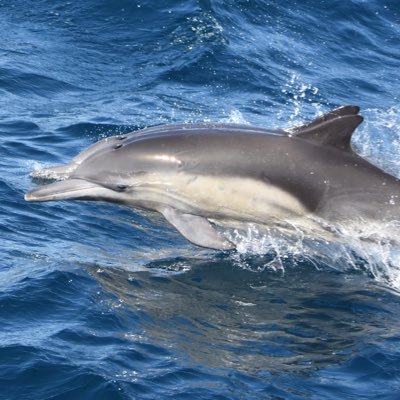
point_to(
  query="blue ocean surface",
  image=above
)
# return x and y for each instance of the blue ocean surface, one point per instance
(103, 302)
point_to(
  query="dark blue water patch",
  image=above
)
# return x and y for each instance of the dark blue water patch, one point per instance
(31, 84)
(96, 131)
(46, 296)
(370, 374)
(33, 146)
(18, 149)
(56, 380)
(18, 127)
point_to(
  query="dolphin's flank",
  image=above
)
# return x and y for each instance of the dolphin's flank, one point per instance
(202, 175)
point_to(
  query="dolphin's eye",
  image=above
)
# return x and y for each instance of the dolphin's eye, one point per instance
(117, 146)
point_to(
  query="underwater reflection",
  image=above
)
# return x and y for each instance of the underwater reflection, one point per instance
(222, 316)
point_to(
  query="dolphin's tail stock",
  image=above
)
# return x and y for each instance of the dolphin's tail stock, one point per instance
(64, 190)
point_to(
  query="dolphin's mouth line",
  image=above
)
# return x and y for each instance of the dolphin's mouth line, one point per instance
(62, 190)
(73, 180)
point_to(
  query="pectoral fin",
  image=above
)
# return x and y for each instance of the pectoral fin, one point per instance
(196, 229)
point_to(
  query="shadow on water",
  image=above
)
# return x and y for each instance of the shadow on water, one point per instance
(221, 316)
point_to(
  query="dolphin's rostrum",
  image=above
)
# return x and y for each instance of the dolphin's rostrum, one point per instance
(232, 175)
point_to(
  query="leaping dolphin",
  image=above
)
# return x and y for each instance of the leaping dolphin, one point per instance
(232, 174)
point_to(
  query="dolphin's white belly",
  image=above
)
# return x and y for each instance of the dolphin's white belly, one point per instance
(226, 197)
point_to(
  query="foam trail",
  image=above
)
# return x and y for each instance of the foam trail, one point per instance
(371, 248)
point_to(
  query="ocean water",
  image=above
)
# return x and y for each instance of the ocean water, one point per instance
(102, 302)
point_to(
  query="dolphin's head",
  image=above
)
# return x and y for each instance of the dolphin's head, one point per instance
(112, 170)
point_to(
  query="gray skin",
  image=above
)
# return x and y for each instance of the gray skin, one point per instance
(232, 175)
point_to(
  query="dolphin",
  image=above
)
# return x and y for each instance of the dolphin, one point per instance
(200, 176)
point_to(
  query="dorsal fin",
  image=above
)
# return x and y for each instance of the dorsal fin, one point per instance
(335, 132)
(337, 112)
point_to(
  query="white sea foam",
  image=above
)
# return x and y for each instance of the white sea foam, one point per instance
(235, 117)
(378, 138)
(373, 248)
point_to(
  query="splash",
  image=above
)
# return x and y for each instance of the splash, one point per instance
(47, 174)
(235, 117)
(300, 94)
(370, 248)
(378, 138)
(198, 30)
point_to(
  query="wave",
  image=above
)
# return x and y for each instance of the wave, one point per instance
(33, 84)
